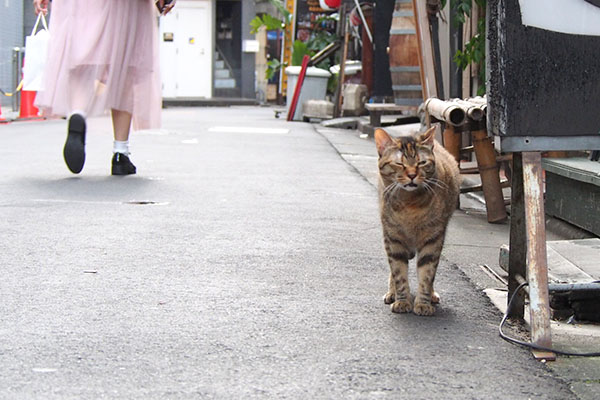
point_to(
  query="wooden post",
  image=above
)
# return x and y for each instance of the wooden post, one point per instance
(452, 141)
(367, 55)
(537, 264)
(517, 256)
(337, 107)
(490, 178)
(426, 60)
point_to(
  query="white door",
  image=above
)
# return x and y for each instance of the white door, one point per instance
(186, 50)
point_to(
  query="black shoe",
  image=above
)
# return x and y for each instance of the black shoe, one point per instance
(121, 165)
(74, 150)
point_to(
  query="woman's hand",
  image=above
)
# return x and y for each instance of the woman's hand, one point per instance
(166, 8)
(40, 6)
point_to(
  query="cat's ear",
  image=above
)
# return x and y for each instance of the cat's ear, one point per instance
(427, 138)
(382, 140)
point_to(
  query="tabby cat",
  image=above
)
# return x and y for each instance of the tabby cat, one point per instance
(418, 191)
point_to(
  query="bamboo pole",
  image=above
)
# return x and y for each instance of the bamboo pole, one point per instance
(473, 110)
(490, 176)
(446, 111)
(452, 141)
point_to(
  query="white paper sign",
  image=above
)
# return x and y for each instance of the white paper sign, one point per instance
(577, 17)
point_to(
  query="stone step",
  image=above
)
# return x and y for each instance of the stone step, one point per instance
(222, 74)
(228, 83)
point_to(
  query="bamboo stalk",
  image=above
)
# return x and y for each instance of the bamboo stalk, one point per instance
(452, 141)
(490, 177)
(473, 110)
(446, 111)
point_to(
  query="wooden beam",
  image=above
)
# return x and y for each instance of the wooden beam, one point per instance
(537, 263)
(517, 258)
(426, 60)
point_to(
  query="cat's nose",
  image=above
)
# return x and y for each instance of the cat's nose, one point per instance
(412, 175)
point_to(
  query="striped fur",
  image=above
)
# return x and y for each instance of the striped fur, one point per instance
(418, 192)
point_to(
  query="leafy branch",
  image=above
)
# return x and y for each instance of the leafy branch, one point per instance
(474, 49)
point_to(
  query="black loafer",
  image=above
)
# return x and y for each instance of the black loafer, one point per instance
(122, 165)
(74, 150)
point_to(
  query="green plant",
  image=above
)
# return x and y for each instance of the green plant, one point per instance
(271, 22)
(273, 66)
(474, 49)
(268, 21)
(319, 38)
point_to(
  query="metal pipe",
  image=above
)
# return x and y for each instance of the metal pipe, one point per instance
(17, 60)
(574, 287)
(445, 111)
(364, 20)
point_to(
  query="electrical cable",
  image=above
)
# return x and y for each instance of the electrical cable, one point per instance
(529, 344)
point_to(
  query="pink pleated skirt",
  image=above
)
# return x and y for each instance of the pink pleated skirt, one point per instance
(103, 55)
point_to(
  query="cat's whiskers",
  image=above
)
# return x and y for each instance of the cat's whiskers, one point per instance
(390, 189)
(427, 187)
(438, 183)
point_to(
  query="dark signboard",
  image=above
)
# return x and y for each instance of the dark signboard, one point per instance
(543, 67)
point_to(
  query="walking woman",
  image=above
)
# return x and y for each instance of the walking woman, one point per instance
(102, 57)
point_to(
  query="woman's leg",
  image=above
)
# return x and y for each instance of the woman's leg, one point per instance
(121, 165)
(121, 124)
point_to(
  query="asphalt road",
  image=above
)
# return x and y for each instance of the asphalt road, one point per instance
(245, 260)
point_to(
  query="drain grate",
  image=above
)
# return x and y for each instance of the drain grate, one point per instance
(146, 203)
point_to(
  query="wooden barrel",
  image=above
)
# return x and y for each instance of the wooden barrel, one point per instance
(404, 56)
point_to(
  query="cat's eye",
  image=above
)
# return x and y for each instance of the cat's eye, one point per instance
(422, 163)
(398, 164)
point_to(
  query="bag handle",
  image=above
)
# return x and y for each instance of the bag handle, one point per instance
(43, 18)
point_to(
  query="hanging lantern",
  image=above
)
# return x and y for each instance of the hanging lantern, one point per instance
(329, 5)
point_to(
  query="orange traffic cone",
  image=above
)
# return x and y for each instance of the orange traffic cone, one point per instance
(27, 109)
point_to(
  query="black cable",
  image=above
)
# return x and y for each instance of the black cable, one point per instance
(533, 345)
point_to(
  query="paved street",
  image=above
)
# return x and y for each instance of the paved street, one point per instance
(244, 260)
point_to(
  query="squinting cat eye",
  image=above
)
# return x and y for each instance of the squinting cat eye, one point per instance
(421, 163)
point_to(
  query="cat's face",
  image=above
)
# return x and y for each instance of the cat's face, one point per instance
(407, 162)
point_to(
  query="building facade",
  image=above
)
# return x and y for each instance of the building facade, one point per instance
(207, 50)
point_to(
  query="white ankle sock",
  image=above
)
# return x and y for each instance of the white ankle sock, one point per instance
(121, 147)
(80, 112)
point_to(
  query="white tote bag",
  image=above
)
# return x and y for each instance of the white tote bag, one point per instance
(36, 48)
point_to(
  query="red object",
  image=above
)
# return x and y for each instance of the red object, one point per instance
(27, 109)
(297, 89)
(329, 4)
(1, 119)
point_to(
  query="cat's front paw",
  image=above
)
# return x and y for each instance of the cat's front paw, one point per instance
(401, 306)
(435, 298)
(389, 298)
(425, 309)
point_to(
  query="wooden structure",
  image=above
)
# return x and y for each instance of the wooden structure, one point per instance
(469, 116)
(535, 104)
(404, 65)
(404, 56)
(573, 191)
(573, 278)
